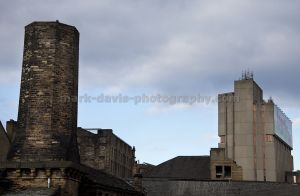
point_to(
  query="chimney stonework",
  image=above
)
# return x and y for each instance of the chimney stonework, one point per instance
(47, 120)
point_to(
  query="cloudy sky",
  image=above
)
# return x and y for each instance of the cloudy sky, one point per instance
(141, 48)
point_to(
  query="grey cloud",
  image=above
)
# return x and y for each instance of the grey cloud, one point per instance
(174, 47)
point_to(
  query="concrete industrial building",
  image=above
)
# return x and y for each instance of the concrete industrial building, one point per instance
(253, 156)
(255, 136)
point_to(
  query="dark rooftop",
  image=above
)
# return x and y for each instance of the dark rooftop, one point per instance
(182, 167)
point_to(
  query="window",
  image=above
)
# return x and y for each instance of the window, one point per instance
(223, 171)
(227, 171)
(269, 138)
(219, 171)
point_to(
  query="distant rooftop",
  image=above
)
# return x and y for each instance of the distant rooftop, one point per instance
(182, 167)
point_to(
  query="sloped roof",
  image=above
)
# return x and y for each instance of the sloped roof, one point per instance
(83, 132)
(182, 167)
(101, 178)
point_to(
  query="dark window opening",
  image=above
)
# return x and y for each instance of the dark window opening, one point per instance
(219, 171)
(227, 171)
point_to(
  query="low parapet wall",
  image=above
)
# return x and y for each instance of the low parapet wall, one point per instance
(165, 187)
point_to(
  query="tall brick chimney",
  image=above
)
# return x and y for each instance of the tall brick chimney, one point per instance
(46, 122)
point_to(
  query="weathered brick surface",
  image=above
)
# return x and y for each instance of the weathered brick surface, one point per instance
(105, 151)
(49, 74)
(73, 179)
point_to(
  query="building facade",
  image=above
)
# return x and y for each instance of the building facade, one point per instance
(254, 134)
(106, 151)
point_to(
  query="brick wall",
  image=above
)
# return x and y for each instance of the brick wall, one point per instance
(105, 151)
(47, 120)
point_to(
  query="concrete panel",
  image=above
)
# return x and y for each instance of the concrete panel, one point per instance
(244, 94)
(229, 117)
(243, 84)
(270, 164)
(244, 152)
(221, 107)
(259, 163)
(243, 105)
(243, 128)
(269, 128)
(230, 128)
(260, 174)
(221, 123)
(248, 174)
(221, 130)
(246, 163)
(270, 151)
(243, 117)
(244, 139)
(229, 140)
(269, 116)
(271, 175)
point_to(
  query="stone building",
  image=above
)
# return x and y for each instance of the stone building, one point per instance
(142, 168)
(106, 151)
(44, 151)
(222, 168)
(256, 136)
